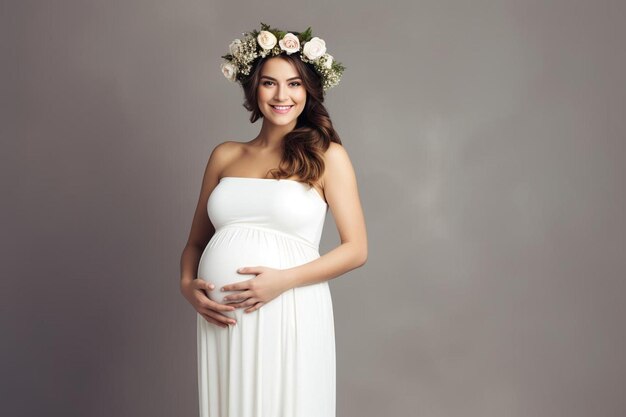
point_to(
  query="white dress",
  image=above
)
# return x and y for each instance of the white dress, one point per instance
(279, 360)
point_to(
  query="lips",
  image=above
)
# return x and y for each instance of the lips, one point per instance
(282, 109)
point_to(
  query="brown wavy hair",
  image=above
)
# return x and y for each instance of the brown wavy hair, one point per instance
(304, 146)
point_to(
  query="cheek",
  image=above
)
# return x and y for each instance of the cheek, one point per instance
(301, 99)
(262, 95)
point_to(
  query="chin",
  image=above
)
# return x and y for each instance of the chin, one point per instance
(282, 122)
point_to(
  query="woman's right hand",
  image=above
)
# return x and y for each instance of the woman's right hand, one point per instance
(194, 292)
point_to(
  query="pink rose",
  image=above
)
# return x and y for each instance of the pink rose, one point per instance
(290, 43)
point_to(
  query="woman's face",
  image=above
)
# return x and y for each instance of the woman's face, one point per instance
(280, 85)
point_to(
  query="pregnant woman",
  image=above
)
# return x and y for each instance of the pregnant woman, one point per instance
(251, 267)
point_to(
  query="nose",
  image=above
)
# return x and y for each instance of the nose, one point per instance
(281, 95)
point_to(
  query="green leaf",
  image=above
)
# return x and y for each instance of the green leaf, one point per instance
(306, 35)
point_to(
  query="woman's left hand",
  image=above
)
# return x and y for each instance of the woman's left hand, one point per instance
(267, 284)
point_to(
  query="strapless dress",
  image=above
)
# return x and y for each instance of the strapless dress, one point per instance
(279, 360)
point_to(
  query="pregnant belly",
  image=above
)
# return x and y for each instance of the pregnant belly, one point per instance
(236, 247)
(232, 248)
(219, 265)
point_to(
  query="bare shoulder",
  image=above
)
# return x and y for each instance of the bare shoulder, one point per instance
(335, 152)
(226, 148)
(223, 153)
(337, 164)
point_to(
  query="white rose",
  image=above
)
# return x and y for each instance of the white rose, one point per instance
(290, 43)
(235, 48)
(329, 61)
(314, 48)
(266, 39)
(229, 71)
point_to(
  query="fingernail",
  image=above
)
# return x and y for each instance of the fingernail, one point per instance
(223, 289)
(211, 286)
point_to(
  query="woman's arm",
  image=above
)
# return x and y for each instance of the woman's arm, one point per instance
(201, 228)
(342, 195)
(191, 287)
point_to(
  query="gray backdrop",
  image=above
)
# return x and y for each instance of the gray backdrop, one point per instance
(488, 140)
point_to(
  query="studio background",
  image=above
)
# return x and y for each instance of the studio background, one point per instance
(488, 141)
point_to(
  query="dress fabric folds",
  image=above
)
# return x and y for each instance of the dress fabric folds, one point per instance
(277, 361)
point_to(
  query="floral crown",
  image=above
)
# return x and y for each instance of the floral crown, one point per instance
(271, 42)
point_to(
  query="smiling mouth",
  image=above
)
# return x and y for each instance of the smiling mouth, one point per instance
(282, 107)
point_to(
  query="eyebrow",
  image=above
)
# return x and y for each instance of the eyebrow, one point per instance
(274, 79)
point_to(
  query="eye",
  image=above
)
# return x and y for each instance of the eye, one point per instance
(265, 82)
(297, 83)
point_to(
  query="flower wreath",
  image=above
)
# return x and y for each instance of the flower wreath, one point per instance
(271, 42)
